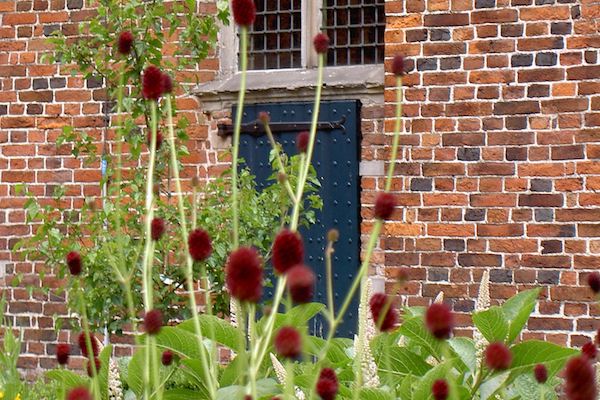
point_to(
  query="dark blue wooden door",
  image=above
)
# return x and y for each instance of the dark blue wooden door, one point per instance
(336, 157)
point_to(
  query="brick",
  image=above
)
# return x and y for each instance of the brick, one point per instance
(573, 152)
(546, 59)
(541, 200)
(427, 64)
(541, 185)
(541, 75)
(492, 169)
(551, 230)
(463, 139)
(479, 260)
(583, 72)
(516, 107)
(485, 3)
(453, 19)
(454, 244)
(421, 185)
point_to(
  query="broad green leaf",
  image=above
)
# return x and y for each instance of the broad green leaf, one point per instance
(335, 354)
(423, 389)
(264, 387)
(67, 378)
(196, 370)
(104, 367)
(491, 385)
(404, 391)
(184, 394)
(216, 329)
(492, 324)
(517, 310)
(401, 361)
(528, 354)
(465, 350)
(179, 341)
(375, 394)
(414, 329)
(231, 373)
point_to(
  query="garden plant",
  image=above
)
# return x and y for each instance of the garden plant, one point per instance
(264, 349)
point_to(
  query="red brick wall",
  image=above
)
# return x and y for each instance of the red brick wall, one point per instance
(500, 160)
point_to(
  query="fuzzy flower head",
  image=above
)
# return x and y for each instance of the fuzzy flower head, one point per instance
(152, 83)
(81, 340)
(590, 350)
(288, 342)
(63, 350)
(439, 320)
(166, 358)
(398, 65)
(244, 274)
(79, 393)
(74, 263)
(301, 283)
(125, 42)
(90, 367)
(264, 117)
(594, 282)
(384, 205)
(321, 43)
(157, 228)
(302, 141)
(580, 379)
(327, 385)
(288, 251)
(440, 389)
(379, 304)
(244, 12)
(159, 140)
(498, 356)
(598, 337)
(153, 321)
(200, 244)
(540, 372)
(167, 83)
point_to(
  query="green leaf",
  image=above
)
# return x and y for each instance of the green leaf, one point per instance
(491, 386)
(183, 394)
(401, 361)
(404, 391)
(216, 329)
(375, 394)
(135, 371)
(104, 367)
(492, 324)
(67, 378)
(465, 350)
(528, 354)
(196, 370)
(179, 341)
(517, 310)
(414, 329)
(264, 388)
(423, 388)
(335, 353)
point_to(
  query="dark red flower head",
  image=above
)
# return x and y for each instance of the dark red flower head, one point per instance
(125, 42)
(380, 304)
(244, 274)
(590, 350)
(264, 117)
(384, 205)
(152, 83)
(63, 350)
(244, 12)
(327, 385)
(288, 342)
(153, 321)
(498, 356)
(83, 346)
(301, 283)
(439, 320)
(96, 364)
(159, 140)
(74, 262)
(302, 141)
(199, 244)
(440, 389)
(167, 83)
(398, 65)
(580, 379)
(288, 250)
(248, 397)
(157, 228)
(594, 281)
(540, 373)
(167, 358)
(79, 393)
(321, 43)
(598, 337)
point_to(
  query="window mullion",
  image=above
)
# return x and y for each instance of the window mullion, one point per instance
(311, 19)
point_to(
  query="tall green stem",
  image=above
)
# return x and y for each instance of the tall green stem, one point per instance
(189, 271)
(88, 342)
(397, 126)
(236, 135)
(280, 166)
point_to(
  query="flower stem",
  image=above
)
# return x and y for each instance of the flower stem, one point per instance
(328, 270)
(286, 182)
(236, 134)
(397, 126)
(189, 271)
(88, 341)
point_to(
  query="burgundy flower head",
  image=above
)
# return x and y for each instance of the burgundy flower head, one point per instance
(264, 117)
(153, 321)
(598, 337)
(125, 42)
(594, 282)
(97, 364)
(440, 389)
(439, 320)
(167, 83)
(398, 65)
(590, 350)
(79, 393)
(540, 373)
(301, 283)
(63, 350)
(157, 228)
(166, 358)
(302, 141)
(199, 244)
(288, 342)
(152, 83)
(379, 304)
(384, 205)
(580, 379)
(244, 274)
(288, 250)
(321, 43)
(327, 385)
(244, 12)
(74, 263)
(159, 140)
(83, 346)
(498, 356)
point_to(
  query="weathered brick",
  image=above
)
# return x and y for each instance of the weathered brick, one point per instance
(541, 200)
(516, 107)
